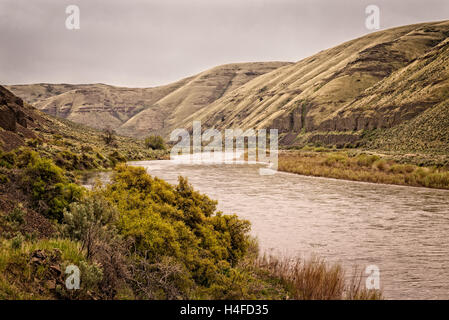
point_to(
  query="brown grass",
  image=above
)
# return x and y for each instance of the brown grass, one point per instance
(316, 280)
(362, 167)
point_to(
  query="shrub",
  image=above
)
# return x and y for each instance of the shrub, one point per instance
(68, 160)
(16, 242)
(109, 136)
(380, 165)
(17, 215)
(34, 143)
(90, 221)
(334, 159)
(49, 188)
(26, 157)
(366, 160)
(155, 142)
(167, 222)
(86, 148)
(166, 278)
(7, 160)
(37, 269)
(4, 179)
(402, 168)
(116, 157)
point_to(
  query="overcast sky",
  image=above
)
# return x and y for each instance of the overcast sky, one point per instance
(153, 42)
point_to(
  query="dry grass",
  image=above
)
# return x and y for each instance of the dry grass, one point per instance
(362, 167)
(316, 280)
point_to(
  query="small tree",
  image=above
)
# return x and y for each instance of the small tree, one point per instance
(155, 142)
(109, 135)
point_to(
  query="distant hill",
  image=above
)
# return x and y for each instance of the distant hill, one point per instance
(70, 145)
(140, 111)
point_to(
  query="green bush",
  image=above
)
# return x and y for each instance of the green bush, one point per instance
(176, 222)
(34, 143)
(3, 179)
(49, 189)
(30, 280)
(366, 160)
(116, 157)
(26, 157)
(17, 241)
(17, 215)
(8, 159)
(334, 159)
(89, 221)
(155, 142)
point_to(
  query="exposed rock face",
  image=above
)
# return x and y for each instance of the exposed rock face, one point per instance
(292, 122)
(11, 114)
(16, 119)
(7, 118)
(339, 140)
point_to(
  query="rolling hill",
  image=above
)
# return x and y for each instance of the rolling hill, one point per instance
(67, 143)
(139, 111)
(375, 82)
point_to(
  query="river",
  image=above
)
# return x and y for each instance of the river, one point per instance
(402, 230)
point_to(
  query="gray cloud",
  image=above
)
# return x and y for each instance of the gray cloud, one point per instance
(147, 43)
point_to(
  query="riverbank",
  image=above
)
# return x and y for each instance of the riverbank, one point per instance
(372, 167)
(130, 233)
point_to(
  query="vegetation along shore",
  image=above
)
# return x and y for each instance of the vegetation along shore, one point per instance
(367, 166)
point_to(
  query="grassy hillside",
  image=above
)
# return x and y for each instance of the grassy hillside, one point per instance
(202, 90)
(140, 111)
(426, 133)
(21, 125)
(375, 82)
(96, 105)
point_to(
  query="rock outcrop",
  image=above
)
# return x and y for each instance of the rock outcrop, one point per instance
(16, 120)
(11, 113)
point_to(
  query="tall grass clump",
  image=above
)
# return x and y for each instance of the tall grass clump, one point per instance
(314, 279)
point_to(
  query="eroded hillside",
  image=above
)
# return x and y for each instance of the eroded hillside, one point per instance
(375, 82)
(140, 111)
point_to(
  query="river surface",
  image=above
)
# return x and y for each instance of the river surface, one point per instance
(402, 230)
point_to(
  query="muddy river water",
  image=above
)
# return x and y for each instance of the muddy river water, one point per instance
(402, 230)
